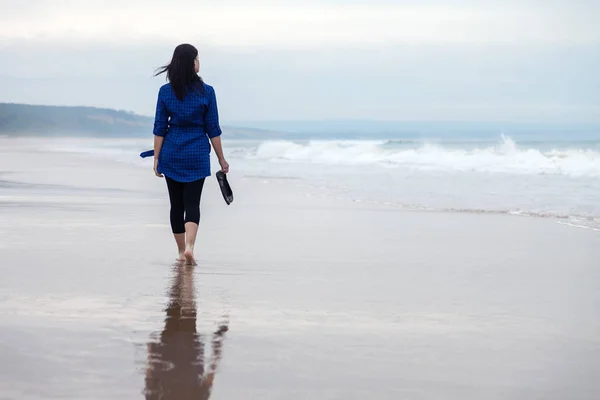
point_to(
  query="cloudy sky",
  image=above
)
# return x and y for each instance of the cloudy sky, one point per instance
(300, 60)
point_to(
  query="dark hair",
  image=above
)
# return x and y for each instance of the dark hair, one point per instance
(180, 71)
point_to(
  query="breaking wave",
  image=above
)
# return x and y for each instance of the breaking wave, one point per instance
(504, 157)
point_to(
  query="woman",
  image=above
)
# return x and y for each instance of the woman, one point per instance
(185, 126)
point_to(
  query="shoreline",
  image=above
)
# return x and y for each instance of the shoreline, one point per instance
(85, 198)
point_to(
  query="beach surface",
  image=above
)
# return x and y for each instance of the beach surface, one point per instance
(295, 295)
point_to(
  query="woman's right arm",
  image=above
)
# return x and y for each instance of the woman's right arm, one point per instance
(213, 130)
(218, 146)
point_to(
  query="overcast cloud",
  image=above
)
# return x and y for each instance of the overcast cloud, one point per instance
(520, 60)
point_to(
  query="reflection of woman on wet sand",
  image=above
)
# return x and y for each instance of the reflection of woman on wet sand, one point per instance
(176, 363)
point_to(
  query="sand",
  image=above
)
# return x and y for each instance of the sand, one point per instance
(293, 297)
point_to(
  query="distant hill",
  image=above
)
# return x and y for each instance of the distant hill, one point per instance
(41, 120)
(24, 119)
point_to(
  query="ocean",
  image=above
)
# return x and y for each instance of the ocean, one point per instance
(557, 179)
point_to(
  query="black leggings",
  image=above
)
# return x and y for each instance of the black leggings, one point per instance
(185, 203)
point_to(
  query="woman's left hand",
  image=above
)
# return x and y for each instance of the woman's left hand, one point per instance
(156, 169)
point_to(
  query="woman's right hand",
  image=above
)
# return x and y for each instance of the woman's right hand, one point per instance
(156, 169)
(224, 165)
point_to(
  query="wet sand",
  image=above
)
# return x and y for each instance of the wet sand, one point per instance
(294, 296)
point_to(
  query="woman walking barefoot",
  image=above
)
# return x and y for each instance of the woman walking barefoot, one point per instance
(186, 124)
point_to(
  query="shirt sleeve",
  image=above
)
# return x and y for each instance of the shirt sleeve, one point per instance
(211, 119)
(161, 117)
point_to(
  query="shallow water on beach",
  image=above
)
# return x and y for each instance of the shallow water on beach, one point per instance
(294, 296)
(556, 179)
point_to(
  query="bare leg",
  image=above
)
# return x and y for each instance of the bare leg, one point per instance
(180, 240)
(176, 215)
(191, 230)
(191, 198)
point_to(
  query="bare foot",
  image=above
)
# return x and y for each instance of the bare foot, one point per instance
(181, 257)
(189, 256)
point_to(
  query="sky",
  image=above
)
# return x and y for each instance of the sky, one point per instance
(313, 60)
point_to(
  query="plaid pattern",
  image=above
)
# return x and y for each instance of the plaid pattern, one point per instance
(186, 126)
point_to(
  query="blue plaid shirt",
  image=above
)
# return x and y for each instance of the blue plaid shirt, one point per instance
(186, 126)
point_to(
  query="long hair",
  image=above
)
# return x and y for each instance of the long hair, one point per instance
(180, 71)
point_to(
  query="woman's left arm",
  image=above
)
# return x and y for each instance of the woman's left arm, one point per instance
(161, 127)
(158, 141)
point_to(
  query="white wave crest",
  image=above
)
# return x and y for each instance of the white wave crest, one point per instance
(505, 157)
